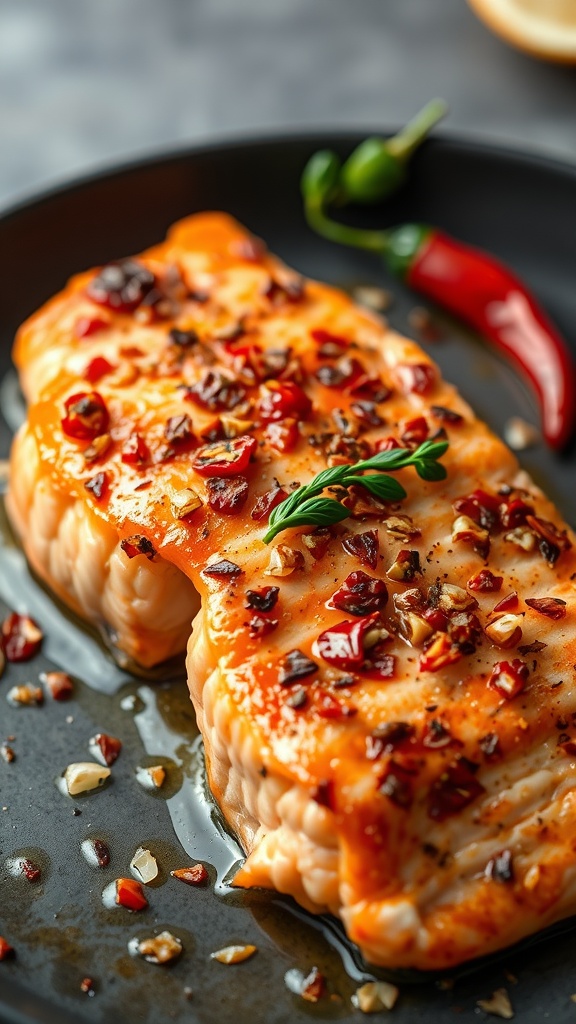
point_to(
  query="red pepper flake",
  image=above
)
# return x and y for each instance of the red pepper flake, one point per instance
(263, 600)
(109, 747)
(514, 513)
(97, 485)
(366, 413)
(21, 637)
(446, 415)
(509, 678)
(97, 368)
(439, 653)
(379, 663)
(86, 416)
(87, 986)
(281, 399)
(183, 339)
(86, 326)
(490, 745)
(436, 735)
(283, 435)
(534, 648)
(138, 545)
(313, 986)
(323, 793)
(318, 541)
(342, 645)
(223, 570)
(31, 871)
(216, 392)
(371, 388)
(121, 286)
(227, 494)
(101, 852)
(58, 684)
(6, 950)
(415, 432)
(397, 785)
(196, 874)
(507, 604)
(298, 699)
(129, 894)
(551, 541)
(259, 626)
(552, 607)
(360, 594)
(323, 337)
(418, 378)
(454, 789)
(500, 868)
(225, 458)
(485, 582)
(329, 707)
(364, 546)
(294, 666)
(135, 451)
(267, 501)
(285, 288)
(178, 430)
(388, 737)
(483, 508)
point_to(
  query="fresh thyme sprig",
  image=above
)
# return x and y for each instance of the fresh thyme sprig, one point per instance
(304, 508)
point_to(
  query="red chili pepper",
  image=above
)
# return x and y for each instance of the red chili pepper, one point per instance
(225, 458)
(487, 295)
(343, 645)
(86, 416)
(281, 399)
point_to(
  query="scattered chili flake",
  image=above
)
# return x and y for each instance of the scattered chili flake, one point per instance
(130, 894)
(534, 648)
(121, 285)
(329, 707)
(490, 745)
(260, 626)
(135, 451)
(507, 604)
(6, 753)
(405, 566)
(21, 637)
(551, 541)
(446, 415)
(454, 789)
(268, 501)
(296, 665)
(360, 594)
(485, 582)
(281, 399)
(87, 986)
(419, 378)
(86, 416)
(397, 785)
(366, 413)
(439, 653)
(138, 545)
(196, 874)
(283, 435)
(97, 485)
(436, 735)
(317, 542)
(86, 326)
(178, 430)
(342, 645)
(324, 338)
(97, 448)
(225, 458)
(6, 950)
(263, 600)
(364, 546)
(183, 339)
(217, 392)
(500, 868)
(388, 737)
(105, 747)
(227, 494)
(30, 870)
(223, 570)
(96, 852)
(552, 607)
(509, 678)
(415, 432)
(97, 368)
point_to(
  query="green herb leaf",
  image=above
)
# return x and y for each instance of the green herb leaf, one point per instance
(314, 512)
(430, 470)
(384, 487)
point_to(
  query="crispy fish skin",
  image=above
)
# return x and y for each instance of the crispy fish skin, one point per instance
(427, 800)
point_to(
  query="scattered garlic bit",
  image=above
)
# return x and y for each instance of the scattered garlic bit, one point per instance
(284, 560)
(151, 777)
(375, 996)
(144, 866)
(160, 949)
(233, 954)
(372, 297)
(97, 448)
(505, 631)
(183, 502)
(234, 426)
(498, 1005)
(83, 776)
(25, 695)
(519, 434)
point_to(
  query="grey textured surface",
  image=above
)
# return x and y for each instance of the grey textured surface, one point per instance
(83, 85)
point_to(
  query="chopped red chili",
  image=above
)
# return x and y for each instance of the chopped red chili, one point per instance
(263, 600)
(446, 415)
(364, 546)
(509, 678)
(398, 785)
(267, 501)
(551, 541)
(415, 432)
(138, 545)
(454, 789)
(21, 637)
(183, 339)
(196, 874)
(490, 745)
(109, 746)
(86, 326)
(178, 430)
(294, 666)
(283, 435)
(227, 494)
(59, 685)
(534, 648)
(388, 737)
(222, 570)
(6, 950)
(281, 399)
(86, 416)
(419, 378)
(360, 594)
(130, 894)
(225, 458)
(485, 582)
(439, 653)
(259, 626)
(97, 368)
(121, 286)
(329, 707)
(552, 607)
(514, 513)
(317, 541)
(135, 451)
(436, 735)
(507, 604)
(342, 645)
(217, 392)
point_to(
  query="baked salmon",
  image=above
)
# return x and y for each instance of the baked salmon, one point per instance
(387, 702)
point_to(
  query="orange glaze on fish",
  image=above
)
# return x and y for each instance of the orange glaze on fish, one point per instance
(424, 795)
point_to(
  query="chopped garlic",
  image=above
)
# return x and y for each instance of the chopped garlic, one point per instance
(160, 949)
(83, 776)
(144, 866)
(183, 501)
(284, 560)
(519, 434)
(375, 996)
(498, 1005)
(233, 954)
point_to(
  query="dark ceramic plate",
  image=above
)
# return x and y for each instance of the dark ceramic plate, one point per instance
(521, 208)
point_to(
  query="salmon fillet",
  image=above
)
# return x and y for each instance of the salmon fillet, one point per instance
(387, 705)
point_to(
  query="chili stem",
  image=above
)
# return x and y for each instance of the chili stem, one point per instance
(411, 136)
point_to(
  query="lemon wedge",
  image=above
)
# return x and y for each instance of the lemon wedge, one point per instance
(544, 28)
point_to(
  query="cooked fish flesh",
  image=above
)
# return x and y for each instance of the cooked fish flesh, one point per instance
(388, 703)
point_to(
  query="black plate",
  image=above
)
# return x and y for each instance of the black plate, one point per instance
(521, 208)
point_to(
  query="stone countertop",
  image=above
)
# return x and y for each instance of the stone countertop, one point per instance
(84, 85)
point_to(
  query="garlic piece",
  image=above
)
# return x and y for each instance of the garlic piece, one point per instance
(234, 426)
(506, 631)
(25, 695)
(498, 1005)
(284, 560)
(83, 776)
(375, 996)
(144, 866)
(519, 434)
(183, 502)
(160, 949)
(233, 954)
